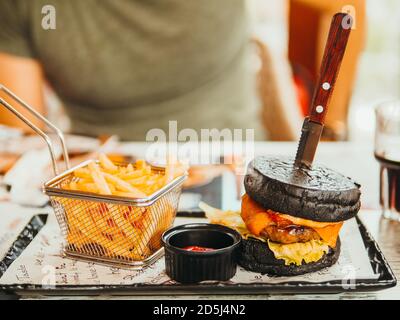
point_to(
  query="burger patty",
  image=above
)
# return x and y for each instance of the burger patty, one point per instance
(289, 234)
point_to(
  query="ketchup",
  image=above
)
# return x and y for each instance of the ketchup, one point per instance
(198, 249)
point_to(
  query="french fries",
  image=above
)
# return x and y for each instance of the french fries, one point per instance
(98, 179)
(114, 230)
(131, 181)
(107, 164)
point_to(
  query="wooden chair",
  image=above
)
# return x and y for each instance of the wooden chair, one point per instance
(281, 114)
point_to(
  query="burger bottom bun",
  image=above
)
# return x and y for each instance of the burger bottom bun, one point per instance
(256, 256)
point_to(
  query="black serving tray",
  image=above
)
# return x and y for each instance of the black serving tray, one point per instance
(379, 264)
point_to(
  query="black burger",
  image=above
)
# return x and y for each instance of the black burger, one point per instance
(294, 216)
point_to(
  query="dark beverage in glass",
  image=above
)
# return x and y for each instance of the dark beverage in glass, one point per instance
(390, 185)
(387, 152)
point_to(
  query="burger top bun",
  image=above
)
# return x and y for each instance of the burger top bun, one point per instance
(319, 193)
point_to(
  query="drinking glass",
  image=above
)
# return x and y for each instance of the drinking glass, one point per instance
(387, 152)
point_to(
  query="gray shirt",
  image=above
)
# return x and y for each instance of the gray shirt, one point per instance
(127, 66)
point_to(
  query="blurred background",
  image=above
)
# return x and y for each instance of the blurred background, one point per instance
(297, 29)
(371, 66)
(288, 40)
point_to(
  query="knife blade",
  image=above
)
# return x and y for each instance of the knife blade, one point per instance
(313, 125)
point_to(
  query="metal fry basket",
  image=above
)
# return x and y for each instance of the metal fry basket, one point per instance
(113, 229)
(105, 229)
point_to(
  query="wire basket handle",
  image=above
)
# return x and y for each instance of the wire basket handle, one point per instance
(35, 128)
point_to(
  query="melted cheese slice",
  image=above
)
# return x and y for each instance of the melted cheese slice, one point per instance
(293, 253)
(330, 234)
(296, 253)
(257, 218)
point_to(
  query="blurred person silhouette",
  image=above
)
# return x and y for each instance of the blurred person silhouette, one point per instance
(125, 67)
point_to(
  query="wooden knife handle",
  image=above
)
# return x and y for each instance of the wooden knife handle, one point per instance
(334, 51)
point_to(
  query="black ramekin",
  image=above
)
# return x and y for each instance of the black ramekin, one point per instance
(191, 267)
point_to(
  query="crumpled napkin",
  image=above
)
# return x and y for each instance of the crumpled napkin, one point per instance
(26, 178)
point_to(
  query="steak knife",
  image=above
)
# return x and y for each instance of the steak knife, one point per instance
(333, 56)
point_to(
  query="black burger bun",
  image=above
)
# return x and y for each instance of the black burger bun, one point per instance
(256, 256)
(319, 194)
